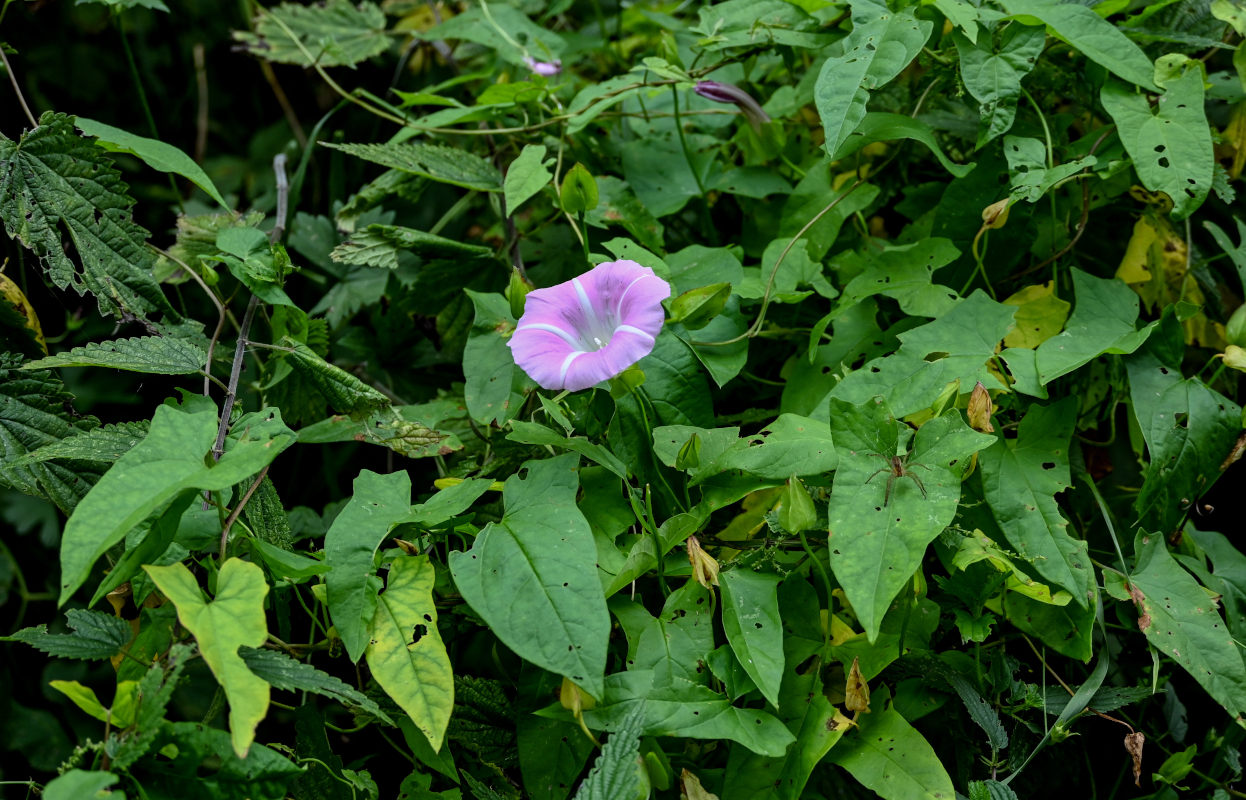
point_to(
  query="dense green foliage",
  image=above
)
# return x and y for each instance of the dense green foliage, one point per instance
(914, 497)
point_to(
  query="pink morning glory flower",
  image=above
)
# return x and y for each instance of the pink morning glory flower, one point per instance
(726, 93)
(589, 329)
(545, 68)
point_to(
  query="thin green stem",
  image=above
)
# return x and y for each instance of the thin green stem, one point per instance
(683, 141)
(142, 98)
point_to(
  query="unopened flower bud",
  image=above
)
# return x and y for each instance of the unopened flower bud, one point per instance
(726, 93)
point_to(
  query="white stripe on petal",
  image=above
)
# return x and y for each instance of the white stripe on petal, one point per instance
(635, 330)
(586, 305)
(566, 365)
(623, 296)
(554, 329)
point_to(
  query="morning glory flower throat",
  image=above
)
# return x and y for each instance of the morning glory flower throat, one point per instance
(589, 329)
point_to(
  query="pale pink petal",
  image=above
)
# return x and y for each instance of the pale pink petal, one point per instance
(589, 329)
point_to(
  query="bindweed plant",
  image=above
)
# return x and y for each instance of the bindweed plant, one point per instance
(755, 399)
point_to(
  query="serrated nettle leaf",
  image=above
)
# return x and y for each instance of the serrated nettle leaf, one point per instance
(153, 152)
(1090, 34)
(234, 619)
(532, 577)
(52, 179)
(172, 458)
(750, 618)
(376, 505)
(159, 355)
(1020, 479)
(1180, 620)
(433, 161)
(405, 651)
(106, 443)
(615, 775)
(93, 635)
(336, 33)
(880, 46)
(379, 246)
(344, 392)
(887, 506)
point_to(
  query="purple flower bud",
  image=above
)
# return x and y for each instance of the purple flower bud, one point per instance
(726, 93)
(546, 68)
(589, 329)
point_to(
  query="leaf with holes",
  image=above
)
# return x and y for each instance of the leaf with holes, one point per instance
(881, 45)
(888, 756)
(405, 651)
(533, 575)
(1180, 619)
(750, 618)
(377, 503)
(1020, 479)
(992, 73)
(881, 523)
(1171, 147)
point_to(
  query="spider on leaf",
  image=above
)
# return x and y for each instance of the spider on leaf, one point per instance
(897, 467)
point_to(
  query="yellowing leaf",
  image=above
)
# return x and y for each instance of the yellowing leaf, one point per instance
(1155, 265)
(1235, 357)
(121, 715)
(1234, 136)
(234, 619)
(1040, 316)
(857, 691)
(12, 295)
(690, 788)
(405, 651)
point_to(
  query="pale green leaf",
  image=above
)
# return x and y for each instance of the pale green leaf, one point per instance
(526, 176)
(377, 502)
(877, 541)
(750, 23)
(234, 619)
(93, 635)
(406, 653)
(157, 355)
(433, 161)
(1182, 622)
(1027, 166)
(335, 33)
(533, 578)
(172, 459)
(750, 619)
(54, 181)
(152, 152)
(1092, 35)
(904, 273)
(881, 45)
(1171, 146)
(888, 756)
(500, 27)
(1020, 479)
(79, 784)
